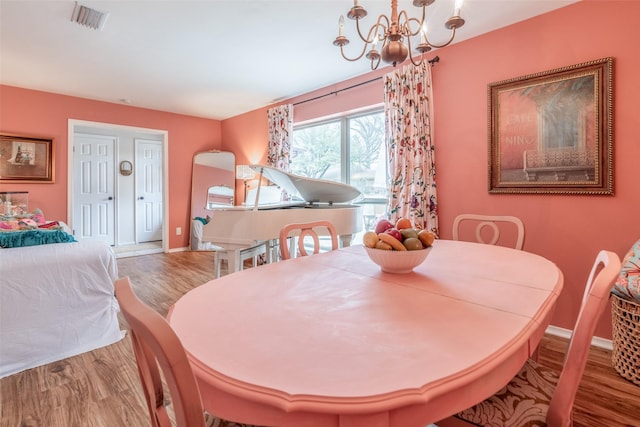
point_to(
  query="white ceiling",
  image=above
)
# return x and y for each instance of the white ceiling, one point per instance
(208, 58)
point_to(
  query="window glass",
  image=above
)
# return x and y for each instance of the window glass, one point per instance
(367, 155)
(315, 151)
(349, 149)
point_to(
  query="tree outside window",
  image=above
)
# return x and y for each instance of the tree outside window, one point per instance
(350, 149)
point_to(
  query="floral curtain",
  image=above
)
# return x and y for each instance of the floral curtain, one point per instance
(280, 135)
(409, 113)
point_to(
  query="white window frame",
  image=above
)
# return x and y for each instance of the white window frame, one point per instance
(345, 144)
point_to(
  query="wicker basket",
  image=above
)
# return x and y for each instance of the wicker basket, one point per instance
(625, 315)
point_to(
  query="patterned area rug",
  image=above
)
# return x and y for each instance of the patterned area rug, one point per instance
(213, 421)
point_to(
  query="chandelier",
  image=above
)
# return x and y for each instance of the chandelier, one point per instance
(393, 32)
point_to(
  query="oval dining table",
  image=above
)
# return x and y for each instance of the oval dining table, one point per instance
(331, 340)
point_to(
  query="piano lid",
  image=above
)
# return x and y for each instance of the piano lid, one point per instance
(310, 190)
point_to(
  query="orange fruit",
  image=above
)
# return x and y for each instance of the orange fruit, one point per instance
(403, 223)
(426, 237)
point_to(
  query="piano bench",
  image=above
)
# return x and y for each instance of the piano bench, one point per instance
(250, 252)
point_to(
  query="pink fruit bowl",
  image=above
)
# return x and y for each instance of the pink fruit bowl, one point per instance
(398, 262)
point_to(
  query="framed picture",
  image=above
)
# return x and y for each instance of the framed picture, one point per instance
(552, 132)
(26, 159)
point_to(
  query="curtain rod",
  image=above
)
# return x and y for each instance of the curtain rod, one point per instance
(335, 92)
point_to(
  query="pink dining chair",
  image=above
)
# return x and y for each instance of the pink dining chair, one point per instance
(158, 349)
(488, 228)
(303, 230)
(538, 396)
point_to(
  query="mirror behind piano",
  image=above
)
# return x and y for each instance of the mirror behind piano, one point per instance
(212, 184)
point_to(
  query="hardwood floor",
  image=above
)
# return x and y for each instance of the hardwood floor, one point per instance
(101, 388)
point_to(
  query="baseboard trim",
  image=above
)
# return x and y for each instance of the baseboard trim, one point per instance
(183, 249)
(566, 333)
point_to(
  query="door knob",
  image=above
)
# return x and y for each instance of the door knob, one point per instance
(140, 198)
(110, 198)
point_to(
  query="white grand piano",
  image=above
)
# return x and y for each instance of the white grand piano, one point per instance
(236, 228)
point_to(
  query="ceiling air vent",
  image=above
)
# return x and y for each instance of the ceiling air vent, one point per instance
(89, 17)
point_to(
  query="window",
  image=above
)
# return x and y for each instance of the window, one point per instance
(349, 149)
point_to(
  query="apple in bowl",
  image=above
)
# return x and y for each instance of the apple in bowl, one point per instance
(383, 225)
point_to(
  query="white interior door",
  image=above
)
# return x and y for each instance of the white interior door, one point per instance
(148, 175)
(93, 187)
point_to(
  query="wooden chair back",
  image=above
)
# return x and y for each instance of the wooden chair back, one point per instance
(157, 347)
(307, 229)
(488, 228)
(594, 301)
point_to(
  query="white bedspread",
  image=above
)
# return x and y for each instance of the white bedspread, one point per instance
(56, 301)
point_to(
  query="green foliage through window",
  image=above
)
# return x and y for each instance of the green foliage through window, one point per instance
(350, 149)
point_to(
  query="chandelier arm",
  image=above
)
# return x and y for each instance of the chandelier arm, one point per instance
(385, 26)
(360, 33)
(419, 30)
(407, 24)
(417, 64)
(420, 22)
(447, 43)
(377, 62)
(372, 36)
(376, 26)
(424, 15)
(364, 49)
(411, 54)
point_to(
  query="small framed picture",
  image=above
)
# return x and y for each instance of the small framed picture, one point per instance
(26, 159)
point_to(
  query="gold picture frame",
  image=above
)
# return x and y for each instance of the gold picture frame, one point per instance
(26, 159)
(552, 132)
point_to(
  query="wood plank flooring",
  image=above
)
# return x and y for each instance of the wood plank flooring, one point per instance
(101, 388)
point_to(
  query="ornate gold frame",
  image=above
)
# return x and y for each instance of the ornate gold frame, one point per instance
(552, 132)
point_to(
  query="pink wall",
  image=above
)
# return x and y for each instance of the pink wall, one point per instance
(34, 113)
(567, 229)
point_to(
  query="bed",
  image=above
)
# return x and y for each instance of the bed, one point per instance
(56, 301)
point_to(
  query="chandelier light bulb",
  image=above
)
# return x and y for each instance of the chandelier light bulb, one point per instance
(457, 7)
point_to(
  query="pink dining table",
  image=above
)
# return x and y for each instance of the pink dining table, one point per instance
(331, 340)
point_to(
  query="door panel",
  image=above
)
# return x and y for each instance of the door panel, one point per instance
(93, 187)
(149, 207)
